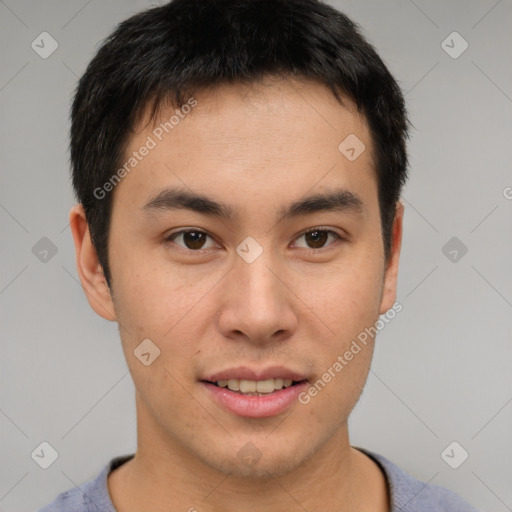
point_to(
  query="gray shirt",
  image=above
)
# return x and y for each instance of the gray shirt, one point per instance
(407, 493)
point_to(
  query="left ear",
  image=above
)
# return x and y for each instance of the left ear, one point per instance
(391, 275)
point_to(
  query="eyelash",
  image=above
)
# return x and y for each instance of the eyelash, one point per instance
(172, 236)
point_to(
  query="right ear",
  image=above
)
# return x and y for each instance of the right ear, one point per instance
(89, 268)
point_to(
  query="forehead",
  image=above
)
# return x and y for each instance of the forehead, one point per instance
(303, 111)
(272, 136)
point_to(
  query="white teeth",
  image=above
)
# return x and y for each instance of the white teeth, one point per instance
(253, 386)
(233, 384)
(247, 386)
(265, 386)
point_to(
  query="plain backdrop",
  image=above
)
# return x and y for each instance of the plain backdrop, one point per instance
(442, 368)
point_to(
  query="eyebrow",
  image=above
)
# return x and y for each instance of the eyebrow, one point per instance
(340, 200)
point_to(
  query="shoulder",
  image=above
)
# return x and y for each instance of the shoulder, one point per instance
(69, 501)
(409, 494)
(90, 496)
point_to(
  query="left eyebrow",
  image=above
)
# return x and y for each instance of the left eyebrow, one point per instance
(341, 200)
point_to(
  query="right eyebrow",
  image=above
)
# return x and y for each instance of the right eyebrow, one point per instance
(341, 200)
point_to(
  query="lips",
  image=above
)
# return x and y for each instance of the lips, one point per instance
(253, 374)
(254, 405)
(232, 389)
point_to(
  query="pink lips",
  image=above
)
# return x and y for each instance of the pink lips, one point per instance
(244, 372)
(265, 405)
(248, 406)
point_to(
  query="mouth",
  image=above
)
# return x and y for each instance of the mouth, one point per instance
(255, 387)
(245, 402)
(255, 392)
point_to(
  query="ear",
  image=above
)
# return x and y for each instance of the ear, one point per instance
(391, 276)
(88, 266)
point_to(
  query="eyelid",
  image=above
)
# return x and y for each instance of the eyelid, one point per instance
(339, 237)
(171, 236)
(328, 230)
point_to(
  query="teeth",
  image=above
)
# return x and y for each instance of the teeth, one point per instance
(233, 384)
(265, 386)
(253, 386)
(247, 386)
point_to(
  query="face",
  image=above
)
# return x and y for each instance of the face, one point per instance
(241, 284)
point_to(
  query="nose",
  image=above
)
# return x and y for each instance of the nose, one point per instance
(257, 302)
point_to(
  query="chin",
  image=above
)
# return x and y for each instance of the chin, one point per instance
(265, 464)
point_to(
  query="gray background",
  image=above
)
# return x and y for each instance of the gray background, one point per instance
(442, 367)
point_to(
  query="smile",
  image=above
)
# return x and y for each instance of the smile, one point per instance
(254, 387)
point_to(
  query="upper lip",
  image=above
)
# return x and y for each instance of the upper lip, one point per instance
(246, 373)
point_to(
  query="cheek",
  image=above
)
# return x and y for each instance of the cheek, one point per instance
(155, 298)
(345, 308)
(346, 299)
(349, 306)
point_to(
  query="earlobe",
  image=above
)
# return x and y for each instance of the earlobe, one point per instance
(391, 275)
(88, 266)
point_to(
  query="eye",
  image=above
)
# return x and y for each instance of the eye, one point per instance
(318, 237)
(192, 239)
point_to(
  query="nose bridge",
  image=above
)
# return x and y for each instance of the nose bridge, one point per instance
(258, 303)
(258, 283)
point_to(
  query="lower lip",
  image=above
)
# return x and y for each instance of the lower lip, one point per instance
(262, 406)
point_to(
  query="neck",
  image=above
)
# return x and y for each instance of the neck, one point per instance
(164, 476)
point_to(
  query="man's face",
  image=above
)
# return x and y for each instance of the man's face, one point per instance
(299, 304)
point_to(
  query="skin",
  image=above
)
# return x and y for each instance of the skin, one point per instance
(256, 148)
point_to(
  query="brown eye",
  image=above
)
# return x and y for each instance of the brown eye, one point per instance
(317, 238)
(193, 240)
